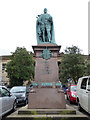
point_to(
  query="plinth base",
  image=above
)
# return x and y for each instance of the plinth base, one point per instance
(67, 111)
(46, 98)
(47, 114)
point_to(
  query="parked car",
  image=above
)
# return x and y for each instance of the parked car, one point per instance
(21, 93)
(72, 94)
(64, 87)
(83, 93)
(7, 101)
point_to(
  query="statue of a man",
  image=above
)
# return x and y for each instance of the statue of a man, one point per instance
(45, 28)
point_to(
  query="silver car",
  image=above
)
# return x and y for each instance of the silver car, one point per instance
(21, 93)
(7, 101)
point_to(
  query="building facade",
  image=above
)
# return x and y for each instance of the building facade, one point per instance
(4, 80)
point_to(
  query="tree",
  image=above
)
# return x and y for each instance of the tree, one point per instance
(88, 69)
(21, 67)
(72, 65)
(88, 66)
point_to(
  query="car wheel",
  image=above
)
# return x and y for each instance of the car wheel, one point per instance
(67, 97)
(79, 107)
(14, 106)
(26, 101)
(70, 101)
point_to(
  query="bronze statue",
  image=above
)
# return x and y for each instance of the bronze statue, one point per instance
(45, 28)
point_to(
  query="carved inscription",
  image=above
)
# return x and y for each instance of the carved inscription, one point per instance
(46, 68)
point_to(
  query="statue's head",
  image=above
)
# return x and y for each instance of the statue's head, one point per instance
(45, 10)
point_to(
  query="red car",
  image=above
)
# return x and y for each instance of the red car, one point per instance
(72, 94)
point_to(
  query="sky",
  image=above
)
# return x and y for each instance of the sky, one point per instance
(18, 23)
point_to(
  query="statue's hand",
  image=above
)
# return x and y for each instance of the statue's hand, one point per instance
(40, 22)
(50, 19)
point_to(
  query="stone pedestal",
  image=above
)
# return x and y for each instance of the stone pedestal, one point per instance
(46, 70)
(46, 94)
(47, 98)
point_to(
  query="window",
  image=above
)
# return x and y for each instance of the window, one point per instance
(4, 92)
(89, 81)
(2, 78)
(3, 66)
(84, 83)
(69, 88)
(0, 93)
(73, 88)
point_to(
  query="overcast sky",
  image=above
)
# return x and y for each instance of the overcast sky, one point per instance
(18, 23)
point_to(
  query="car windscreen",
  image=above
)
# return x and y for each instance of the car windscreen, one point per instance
(18, 89)
(89, 81)
(73, 88)
(0, 92)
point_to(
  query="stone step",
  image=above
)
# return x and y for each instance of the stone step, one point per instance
(25, 111)
(46, 112)
(46, 117)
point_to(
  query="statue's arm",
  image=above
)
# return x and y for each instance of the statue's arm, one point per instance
(40, 20)
(50, 20)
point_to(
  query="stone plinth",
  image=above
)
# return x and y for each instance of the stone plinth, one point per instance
(45, 94)
(50, 98)
(46, 70)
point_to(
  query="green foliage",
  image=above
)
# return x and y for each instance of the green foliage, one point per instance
(21, 67)
(88, 69)
(72, 65)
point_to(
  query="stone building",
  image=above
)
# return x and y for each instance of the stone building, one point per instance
(3, 75)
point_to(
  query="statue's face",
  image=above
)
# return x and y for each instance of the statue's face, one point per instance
(45, 10)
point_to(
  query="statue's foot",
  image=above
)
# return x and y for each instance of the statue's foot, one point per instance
(50, 41)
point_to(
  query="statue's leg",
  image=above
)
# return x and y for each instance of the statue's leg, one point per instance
(39, 34)
(49, 35)
(44, 35)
